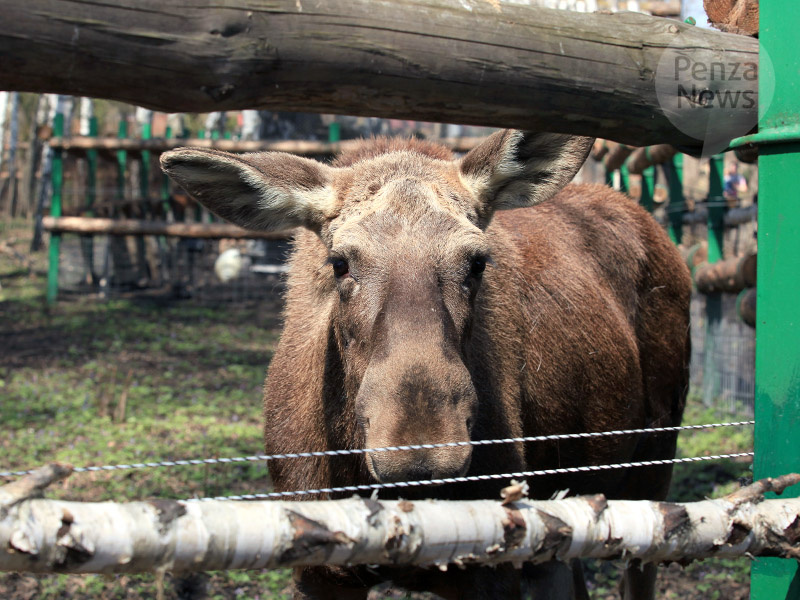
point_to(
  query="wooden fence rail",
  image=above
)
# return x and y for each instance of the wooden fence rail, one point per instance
(49, 535)
(454, 61)
(89, 225)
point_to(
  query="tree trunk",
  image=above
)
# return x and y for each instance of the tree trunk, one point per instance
(49, 535)
(457, 61)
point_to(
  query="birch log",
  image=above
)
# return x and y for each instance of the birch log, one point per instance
(48, 535)
(453, 61)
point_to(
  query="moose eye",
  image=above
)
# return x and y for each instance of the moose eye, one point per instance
(340, 267)
(478, 266)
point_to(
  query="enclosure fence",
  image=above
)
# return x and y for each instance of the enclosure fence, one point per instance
(46, 535)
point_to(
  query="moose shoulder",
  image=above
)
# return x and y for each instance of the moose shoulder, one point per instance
(434, 299)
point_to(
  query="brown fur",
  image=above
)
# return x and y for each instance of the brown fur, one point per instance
(579, 323)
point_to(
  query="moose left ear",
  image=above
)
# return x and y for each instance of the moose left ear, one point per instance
(512, 169)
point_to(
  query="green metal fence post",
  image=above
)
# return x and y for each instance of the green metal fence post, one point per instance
(144, 168)
(624, 179)
(57, 175)
(648, 188)
(87, 241)
(122, 162)
(716, 209)
(165, 184)
(334, 132)
(677, 203)
(716, 231)
(777, 430)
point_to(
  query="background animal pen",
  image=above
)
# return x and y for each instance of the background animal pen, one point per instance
(175, 249)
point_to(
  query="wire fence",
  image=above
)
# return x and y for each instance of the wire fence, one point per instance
(208, 271)
(427, 482)
(723, 371)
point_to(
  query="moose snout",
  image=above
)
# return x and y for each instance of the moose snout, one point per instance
(408, 402)
(419, 465)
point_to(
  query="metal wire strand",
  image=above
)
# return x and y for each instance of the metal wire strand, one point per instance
(468, 478)
(354, 451)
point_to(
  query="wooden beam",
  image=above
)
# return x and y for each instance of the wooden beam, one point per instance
(299, 147)
(731, 275)
(458, 61)
(88, 225)
(649, 156)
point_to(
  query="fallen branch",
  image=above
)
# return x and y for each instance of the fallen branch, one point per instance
(49, 535)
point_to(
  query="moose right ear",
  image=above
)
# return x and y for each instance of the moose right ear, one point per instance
(263, 191)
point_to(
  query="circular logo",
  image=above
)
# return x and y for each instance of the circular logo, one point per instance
(710, 95)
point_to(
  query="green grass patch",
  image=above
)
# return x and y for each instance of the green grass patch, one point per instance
(100, 383)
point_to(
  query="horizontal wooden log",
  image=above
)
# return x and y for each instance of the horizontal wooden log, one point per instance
(599, 149)
(731, 275)
(56, 536)
(87, 225)
(642, 158)
(695, 255)
(616, 157)
(299, 147)
(458, 61)
(747, 154)
(660, 8)
(740, 216)
(746, 306)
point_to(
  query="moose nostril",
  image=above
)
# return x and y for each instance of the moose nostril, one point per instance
(419, 472)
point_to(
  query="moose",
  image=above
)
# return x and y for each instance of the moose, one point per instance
(440, 299)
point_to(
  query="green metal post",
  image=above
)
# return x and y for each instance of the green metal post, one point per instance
(716, 231)
(144, 171)
(87, 241)
(609, 178)
(777, 321)
(122, 161)
(91, 175)
(648, 188)
(716, 209)
(57, 174)
(677, 202)
(165, 182)
(624, 179)
(334, 132)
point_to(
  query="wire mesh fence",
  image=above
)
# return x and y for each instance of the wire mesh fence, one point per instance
(208, 271)
(723, 371)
